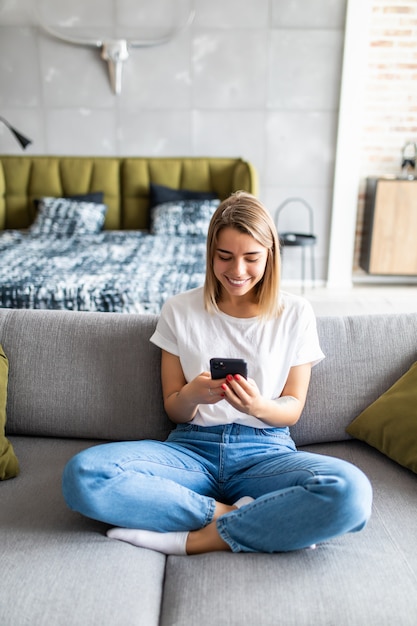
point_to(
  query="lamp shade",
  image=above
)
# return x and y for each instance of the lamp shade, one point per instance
(24, 141)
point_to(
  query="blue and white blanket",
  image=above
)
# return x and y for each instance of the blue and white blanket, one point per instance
(120, 271)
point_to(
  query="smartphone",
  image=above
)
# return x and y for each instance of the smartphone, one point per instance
(220, 368)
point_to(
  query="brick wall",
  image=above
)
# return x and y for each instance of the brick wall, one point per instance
(390, 105)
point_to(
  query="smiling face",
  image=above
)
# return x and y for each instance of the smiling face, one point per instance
(243, 259)
(238, 264)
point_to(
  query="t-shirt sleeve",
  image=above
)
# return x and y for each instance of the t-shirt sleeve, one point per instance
(308, 348)
(165, 336)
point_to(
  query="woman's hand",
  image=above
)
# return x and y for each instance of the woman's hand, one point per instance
(243, 394)
(205, 390)
(182, 399)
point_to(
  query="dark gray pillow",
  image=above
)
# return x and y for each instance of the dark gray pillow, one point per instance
(159, 194)
(91, 196)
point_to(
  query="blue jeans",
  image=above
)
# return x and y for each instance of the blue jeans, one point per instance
(300, 498)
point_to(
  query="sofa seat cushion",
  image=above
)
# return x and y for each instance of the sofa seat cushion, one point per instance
(364, 578)
(60, 568)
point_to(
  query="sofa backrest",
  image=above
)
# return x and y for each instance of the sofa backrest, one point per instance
(81, 374)
(124, 181)
(97, 376)
(365, 355)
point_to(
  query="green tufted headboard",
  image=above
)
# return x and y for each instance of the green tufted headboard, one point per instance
(124, 181)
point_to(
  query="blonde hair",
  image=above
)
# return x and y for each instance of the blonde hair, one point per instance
(246, 214)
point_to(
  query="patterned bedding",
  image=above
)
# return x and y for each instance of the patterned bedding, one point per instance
(120, 271)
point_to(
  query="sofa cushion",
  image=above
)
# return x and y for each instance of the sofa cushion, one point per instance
(58, 567)
(390, 423)
(9, 465)
(81, 374)
(358, 368)
(358, 578)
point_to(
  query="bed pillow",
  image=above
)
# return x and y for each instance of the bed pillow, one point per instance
(9, 465)
(159, 194)
(183, 218)
(390, 423)
(92, 196)
(64, 217)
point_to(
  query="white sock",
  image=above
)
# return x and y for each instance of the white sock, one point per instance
(167, 543)
(242, 501)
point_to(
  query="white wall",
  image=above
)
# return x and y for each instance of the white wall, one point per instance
(253, 78)
(349, 143)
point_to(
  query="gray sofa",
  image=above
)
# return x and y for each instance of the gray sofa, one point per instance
(77, 378)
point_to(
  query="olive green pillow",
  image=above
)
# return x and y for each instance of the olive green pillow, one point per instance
(390, 423)
(9, 466)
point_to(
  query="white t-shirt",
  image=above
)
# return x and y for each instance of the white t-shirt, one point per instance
(270, 347)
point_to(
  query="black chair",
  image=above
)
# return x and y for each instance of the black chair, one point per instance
(301, 240)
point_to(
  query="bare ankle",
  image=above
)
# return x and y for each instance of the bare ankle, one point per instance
(206, 539)
(222, 509)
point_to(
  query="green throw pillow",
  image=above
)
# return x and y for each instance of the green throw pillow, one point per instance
(390, 423)
(9, 466)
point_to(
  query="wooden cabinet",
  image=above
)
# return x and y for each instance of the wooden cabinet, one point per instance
(389, 242)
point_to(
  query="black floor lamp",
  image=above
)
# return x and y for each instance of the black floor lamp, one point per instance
(24, 141)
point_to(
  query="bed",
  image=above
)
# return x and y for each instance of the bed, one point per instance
(108, 234)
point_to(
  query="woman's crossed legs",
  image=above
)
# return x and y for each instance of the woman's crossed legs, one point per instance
(166, 488)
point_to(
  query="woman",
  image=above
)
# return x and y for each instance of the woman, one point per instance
(229, 476)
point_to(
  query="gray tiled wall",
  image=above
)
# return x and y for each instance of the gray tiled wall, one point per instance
(253, 78)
